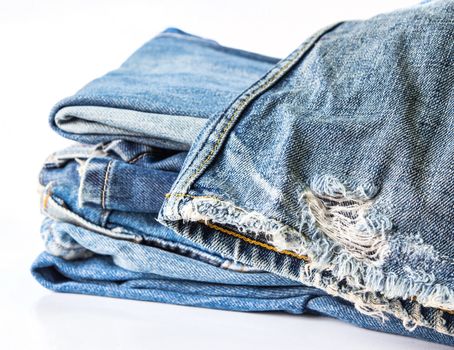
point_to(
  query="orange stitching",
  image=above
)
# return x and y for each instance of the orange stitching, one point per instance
(287, 252)
(236, 234)
(45, 200)
(252, 241)
(237, 110)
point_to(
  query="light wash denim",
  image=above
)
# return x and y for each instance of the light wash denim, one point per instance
(162, 95)
(335, 169)
(118, 251)
(326, 175)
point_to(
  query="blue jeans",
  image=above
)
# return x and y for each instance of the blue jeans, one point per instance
(221, 178)
(117, 249)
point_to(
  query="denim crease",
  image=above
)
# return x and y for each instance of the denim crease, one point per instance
(129, 255)
(320, 183)
(348, 193)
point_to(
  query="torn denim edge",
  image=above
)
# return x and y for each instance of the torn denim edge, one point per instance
(330, 265)
(345, 214)
(358, 278)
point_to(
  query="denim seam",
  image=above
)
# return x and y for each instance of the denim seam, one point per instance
(186, 195)
(104, 188)
(262, 85)
(158, 243)
(371, 302)
(105, 217)
(237, 234)
(255, 242)
(138, 157)
(70, 215)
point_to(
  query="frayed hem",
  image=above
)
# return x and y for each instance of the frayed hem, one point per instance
(328, 263)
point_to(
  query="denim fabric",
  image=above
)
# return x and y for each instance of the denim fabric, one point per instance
(335, 169)
(127, 254)
(162, 95)
(220, 178)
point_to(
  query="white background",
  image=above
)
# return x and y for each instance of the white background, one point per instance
(50, 49)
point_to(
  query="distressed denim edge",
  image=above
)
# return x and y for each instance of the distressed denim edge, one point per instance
(179, 213)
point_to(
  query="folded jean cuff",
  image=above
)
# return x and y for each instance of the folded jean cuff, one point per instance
(205, 216)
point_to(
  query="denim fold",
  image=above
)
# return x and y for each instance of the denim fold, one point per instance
(320, 183)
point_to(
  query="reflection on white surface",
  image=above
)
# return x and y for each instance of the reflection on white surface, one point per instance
(78, 322)
(33, 317)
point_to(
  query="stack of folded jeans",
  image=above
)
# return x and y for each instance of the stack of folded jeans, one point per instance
(320, 183)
